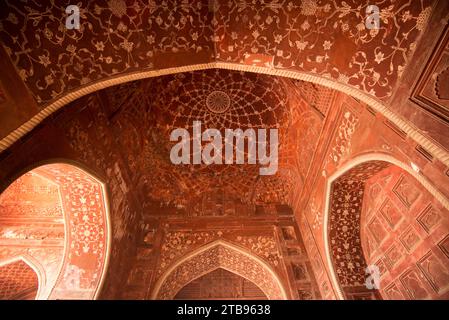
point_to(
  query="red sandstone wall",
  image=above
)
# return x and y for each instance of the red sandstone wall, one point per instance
(81, 134)
(32, 225)
(352, 129)
(405, 232)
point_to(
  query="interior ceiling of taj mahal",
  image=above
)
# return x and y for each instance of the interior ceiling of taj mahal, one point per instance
(92, 207)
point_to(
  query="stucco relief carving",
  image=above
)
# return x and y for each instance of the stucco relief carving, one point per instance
(344, 223)
(342, 144)
(302, 38)
(177, 244)
(431, 91)
(142, 123)
(219, 256)
(442, 85)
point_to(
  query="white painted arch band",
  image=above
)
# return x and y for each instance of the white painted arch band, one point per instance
(436, 151)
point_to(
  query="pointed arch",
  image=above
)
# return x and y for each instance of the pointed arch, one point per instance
(78, 207)
(378, 161)
(434, 149)
(219, 254)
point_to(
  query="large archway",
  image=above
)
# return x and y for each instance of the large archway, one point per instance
(344, 242)
(215, 255)
(377, 105)
(326, 45)
(303, 50)
(56, 215)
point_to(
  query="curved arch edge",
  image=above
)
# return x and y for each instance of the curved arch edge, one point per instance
(345, 168)
(107, 218)
(437, 151)
(209, 246)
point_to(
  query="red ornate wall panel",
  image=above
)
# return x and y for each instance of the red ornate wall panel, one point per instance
(407, 252)
(32, 225)
(432, 90)
(356, 131)
(297, 35)
(18, 281)
(168, 248)
(114, 37)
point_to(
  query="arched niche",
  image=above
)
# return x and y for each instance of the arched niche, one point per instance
(56, 214)
(19, 280)
(342, 220)
(215, 255)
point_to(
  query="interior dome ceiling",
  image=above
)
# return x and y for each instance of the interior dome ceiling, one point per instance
(146, 112)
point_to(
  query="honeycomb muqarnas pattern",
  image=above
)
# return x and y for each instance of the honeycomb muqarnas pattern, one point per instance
(219, 99)
(17, 279)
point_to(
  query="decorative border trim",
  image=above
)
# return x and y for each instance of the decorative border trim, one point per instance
(348, 166)
(107, 216)
(436, 151)
(52, 285)
(209, 246)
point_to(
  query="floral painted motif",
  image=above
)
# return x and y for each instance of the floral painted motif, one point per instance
(328, 38)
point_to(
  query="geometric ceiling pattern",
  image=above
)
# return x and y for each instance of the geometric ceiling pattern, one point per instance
(145, 113)
(212, 257)
(220, 284)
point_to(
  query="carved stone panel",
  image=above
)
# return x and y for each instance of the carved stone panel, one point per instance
(406, 191)
(391, 213)
(411, 280)
(432, 90)
(435, 272)
(429, 218)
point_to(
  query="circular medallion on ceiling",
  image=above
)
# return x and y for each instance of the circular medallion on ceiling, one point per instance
(218, 101)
